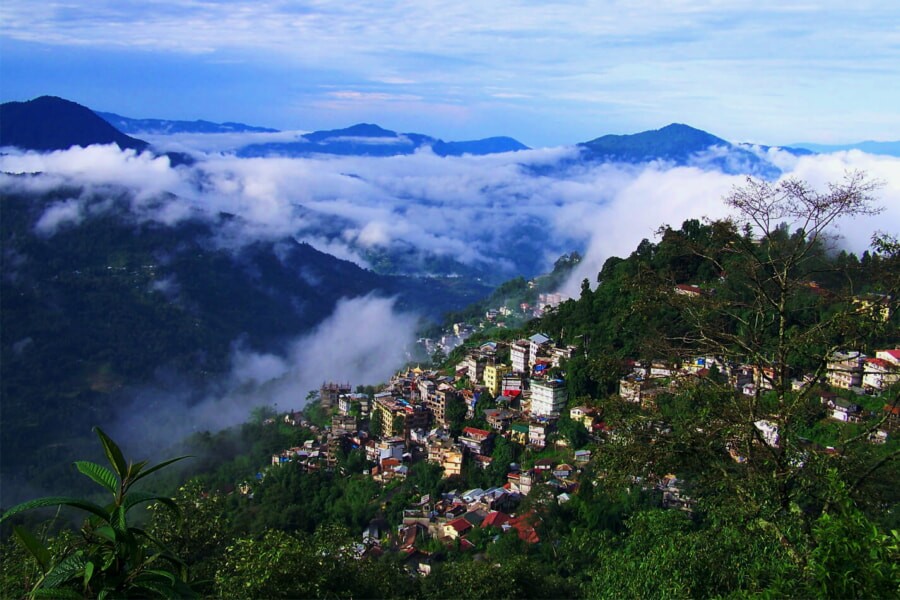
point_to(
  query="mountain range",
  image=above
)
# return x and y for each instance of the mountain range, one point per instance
(169, 127)
(365, 139)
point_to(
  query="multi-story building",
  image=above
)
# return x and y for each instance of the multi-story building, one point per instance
(474, 368)
(536, 344)
(519, 353)
(343, 425)
(878, 373)
(493, 377)
(330, 392)
(447, 454)
(845, 369)
(477, 441)
(438, 401)
(548, 397)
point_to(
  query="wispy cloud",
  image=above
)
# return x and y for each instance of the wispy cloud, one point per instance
(742, 69)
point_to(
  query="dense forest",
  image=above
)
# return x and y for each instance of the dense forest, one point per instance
(813, 514)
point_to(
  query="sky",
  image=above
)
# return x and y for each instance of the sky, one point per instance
(546, 73)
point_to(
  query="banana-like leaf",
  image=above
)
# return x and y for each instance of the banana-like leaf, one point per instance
(64, 571)
(99, 474)
(57, 501)
(155, 468)
(34, 547)
(113, 454)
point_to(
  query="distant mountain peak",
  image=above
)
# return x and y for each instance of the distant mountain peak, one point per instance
(169, 127)
(51, 123)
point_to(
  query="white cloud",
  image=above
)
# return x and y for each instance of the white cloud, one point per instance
(487, 211)
(364, 341)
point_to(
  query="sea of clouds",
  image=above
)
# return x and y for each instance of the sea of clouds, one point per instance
(469, 208)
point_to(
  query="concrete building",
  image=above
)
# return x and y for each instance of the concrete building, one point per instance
(548, 398)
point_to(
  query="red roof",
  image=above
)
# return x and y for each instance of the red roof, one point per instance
(473, 432)
(460, 525)
(894, 410)
(895, 353)
(495, 519)
(880, 362)
(525, 529)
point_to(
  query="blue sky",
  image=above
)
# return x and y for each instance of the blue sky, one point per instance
(547, 73)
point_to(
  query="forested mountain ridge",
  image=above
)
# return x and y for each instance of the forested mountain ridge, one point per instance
(92, 308)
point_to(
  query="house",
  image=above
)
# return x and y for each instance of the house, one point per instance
(330, 392)
(882, 371)
(456, 528)
(845, 411)
(343, 425)
(498, 418)
(524, 527)
(845, 369)
(582, 456)
(876, 306)
(518, 432)
(447, 454)
(891, 416)
(691, 291)
(496, 519)
(769, 432)
(637, 390)
(477, 441)
(563, 471)
(537, 434)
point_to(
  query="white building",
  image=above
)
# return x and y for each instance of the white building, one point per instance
(548, 398)
(519, 353)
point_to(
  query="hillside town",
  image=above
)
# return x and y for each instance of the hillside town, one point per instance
(516, 392)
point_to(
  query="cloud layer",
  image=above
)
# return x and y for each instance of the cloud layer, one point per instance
(500, 213)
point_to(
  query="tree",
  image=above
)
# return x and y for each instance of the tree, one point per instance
(113, 558)
(782, 303)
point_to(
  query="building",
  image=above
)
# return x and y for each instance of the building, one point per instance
(879, 374)
(536, 345)
(477, 441)
(330, 393)
(548, 398)
(474, 368)
(343, 425)
(537, 434)
(519, 353)
(437, 403)
(399, 417)
(493, 377)
(845, 369)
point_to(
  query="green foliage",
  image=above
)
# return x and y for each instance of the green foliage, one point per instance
(114, 558)
(282, 565)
